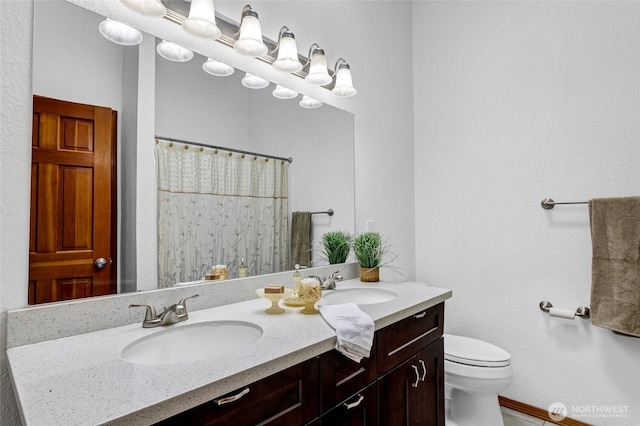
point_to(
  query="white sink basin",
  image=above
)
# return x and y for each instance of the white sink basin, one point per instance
(360, 296)
(191, 342)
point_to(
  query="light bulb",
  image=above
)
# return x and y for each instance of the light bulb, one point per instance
(120, 33)
(282, 92)
(173, 52)
(217, 68)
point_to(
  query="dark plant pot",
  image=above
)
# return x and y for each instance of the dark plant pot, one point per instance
(369, 275)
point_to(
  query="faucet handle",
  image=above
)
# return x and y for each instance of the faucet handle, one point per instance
(150, 314)
(185, 299)
(180, 308)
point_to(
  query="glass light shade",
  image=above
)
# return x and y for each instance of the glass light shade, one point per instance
(307, 102)
(282, 92)
(202, 20)
(287, 60)
(120, 33)
(344, 85)
(146, 7)
(250, 41)
(251, 81)
(173, 52)
(318, 73)
(217, 68)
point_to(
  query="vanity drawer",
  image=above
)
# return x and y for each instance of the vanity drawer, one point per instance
(401, 340)
(287, 398)
(340, 377)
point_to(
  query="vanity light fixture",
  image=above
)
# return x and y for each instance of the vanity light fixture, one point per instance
(202, 20)
(153, 8)
(174, 52)
(287, 60)
(251, 81)
(309, 103)
(344, 85)
(318, 73)
(217, 68)
(119, 33)
(250, 39)
(282, 92)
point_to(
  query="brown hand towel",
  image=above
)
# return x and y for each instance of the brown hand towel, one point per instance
(301, 238)
(615, 281)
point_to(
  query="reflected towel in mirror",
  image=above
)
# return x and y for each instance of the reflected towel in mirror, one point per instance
(301, 238)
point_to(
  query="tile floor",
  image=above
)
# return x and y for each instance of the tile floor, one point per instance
(516, 418)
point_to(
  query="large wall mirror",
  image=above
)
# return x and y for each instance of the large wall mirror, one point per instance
(73, 62)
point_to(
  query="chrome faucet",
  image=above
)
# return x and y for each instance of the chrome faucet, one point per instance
(171, 315)
(330, 283)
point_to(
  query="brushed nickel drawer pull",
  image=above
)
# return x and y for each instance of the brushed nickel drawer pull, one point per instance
(230, 399)
(354, 404)
(420, 315)
(415, 370)
(424, 370)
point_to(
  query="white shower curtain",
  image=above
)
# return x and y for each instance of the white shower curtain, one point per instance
(217, 207)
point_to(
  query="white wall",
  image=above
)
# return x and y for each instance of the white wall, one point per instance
(89, 70)
(383, 127)
(515, 102)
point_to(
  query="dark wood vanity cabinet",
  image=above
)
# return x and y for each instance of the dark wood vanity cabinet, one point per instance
(287, 398)
(413, 392)
(402, 383)
(411, 370)
(407, 387)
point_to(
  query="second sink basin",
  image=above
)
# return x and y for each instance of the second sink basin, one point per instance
(192, 342)
(359, 296)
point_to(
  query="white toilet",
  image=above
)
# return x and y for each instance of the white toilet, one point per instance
(474, 373)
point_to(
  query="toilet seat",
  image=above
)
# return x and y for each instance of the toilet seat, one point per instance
(473, 352)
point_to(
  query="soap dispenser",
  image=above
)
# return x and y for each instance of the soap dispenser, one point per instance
(297, 279)
(242, 269)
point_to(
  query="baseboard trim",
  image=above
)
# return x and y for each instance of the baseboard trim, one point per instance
(536, 412)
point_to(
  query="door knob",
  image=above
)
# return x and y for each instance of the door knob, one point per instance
(100, 262)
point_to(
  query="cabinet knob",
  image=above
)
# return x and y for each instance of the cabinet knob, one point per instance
(354, 404)
(420, 315)
(415, 370)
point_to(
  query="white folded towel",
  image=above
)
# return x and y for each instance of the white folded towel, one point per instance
(354, 329)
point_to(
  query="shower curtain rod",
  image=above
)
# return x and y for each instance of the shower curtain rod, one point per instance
(289, 160)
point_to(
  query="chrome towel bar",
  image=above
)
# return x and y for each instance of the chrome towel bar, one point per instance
(329, 212)
(548, 203)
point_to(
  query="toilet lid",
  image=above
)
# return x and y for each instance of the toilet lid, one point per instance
(468, 351)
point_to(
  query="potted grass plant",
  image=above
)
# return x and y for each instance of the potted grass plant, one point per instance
(336, 246)
(369, 249)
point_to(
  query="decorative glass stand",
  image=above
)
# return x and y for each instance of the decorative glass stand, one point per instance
(275, 299)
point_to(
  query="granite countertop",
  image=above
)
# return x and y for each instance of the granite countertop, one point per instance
(83, 380)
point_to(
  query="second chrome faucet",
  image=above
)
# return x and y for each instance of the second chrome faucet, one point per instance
(171, 315)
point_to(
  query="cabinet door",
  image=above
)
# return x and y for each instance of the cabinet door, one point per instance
(413, 393)
(428, 400)
(394, 390)
(359, 410)
(287, 398)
